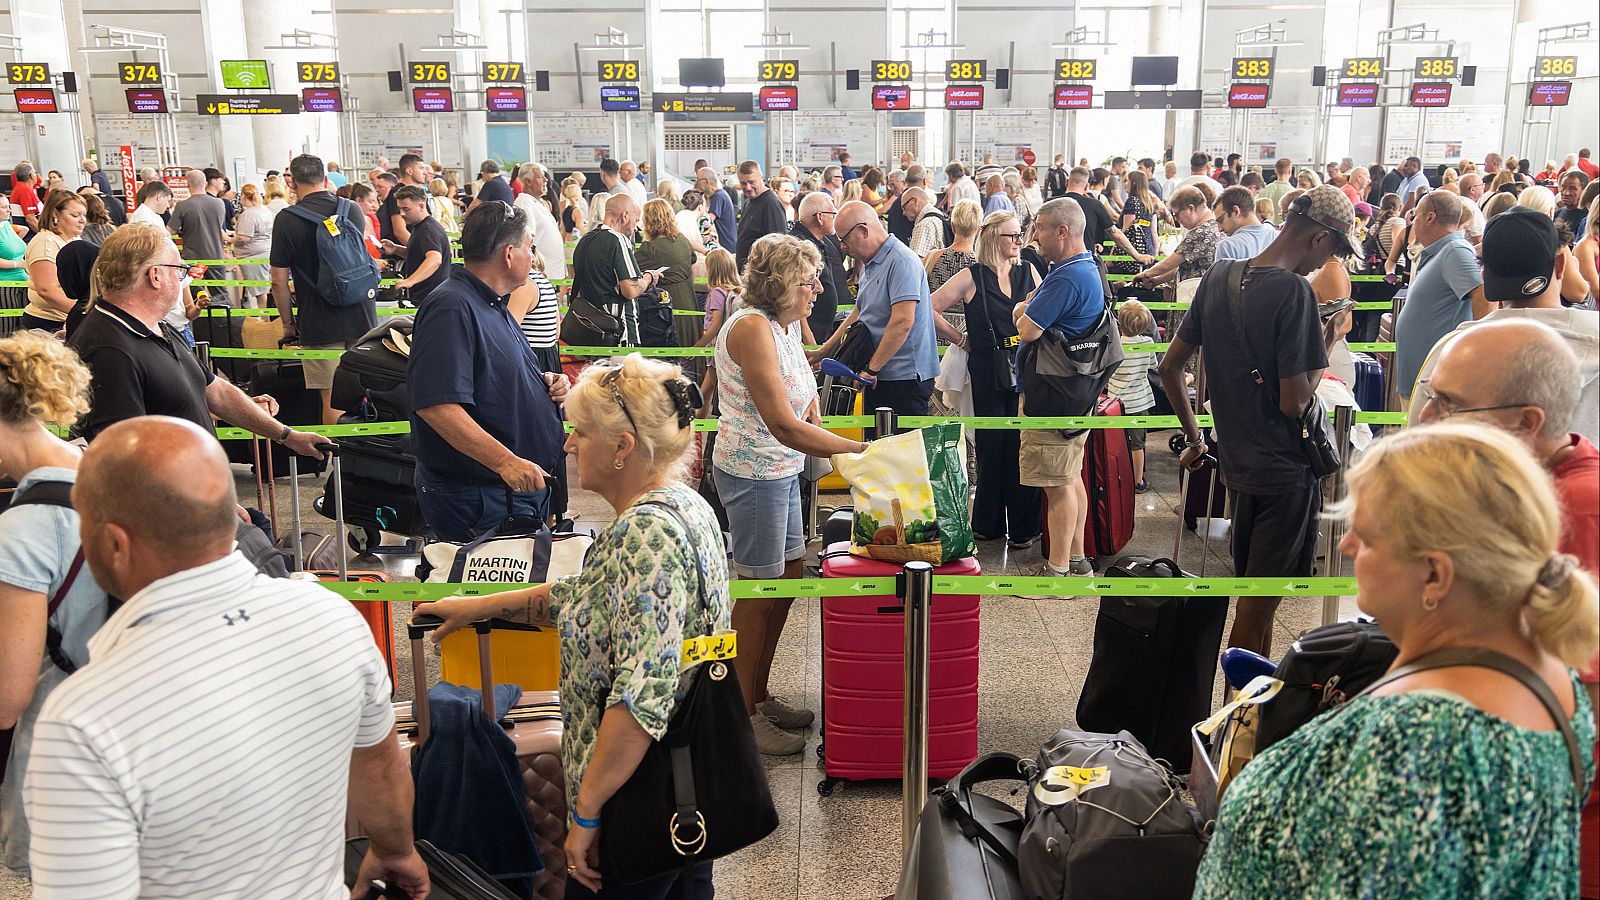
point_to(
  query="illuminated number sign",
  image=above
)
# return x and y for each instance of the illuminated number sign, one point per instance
(966, 70)
(430, 73)
(777, 70)
(1437, 67)
(1252, 67)
(1362, 67)
(891, 70)
(318, 72)
(619, 70)
(1555, 66)
(502, 72)
(28, 73)
(1075, 69)
(139, 73)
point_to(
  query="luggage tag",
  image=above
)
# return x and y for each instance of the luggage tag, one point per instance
(332, 224)
(717, 646)
(1073, 781)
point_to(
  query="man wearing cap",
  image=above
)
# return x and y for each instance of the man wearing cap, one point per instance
(1522, 270)
(1446, 290)
(1263, 362)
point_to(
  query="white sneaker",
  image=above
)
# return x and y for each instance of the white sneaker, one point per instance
(774, 741)
(785, 716)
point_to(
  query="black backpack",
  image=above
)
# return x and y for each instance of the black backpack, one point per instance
(1327, 666)
(944, 224)
(656, 328)
(1055, 182)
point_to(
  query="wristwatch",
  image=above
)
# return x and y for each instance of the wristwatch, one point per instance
(869, 371)
(1193, 442)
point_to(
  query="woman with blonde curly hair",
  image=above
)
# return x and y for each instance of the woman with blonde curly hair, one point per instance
(42, 641)
(769, 424)
(1454, 530)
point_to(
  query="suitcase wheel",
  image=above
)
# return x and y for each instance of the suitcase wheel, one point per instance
(1176, 444)
(825, 787)
(363, 539)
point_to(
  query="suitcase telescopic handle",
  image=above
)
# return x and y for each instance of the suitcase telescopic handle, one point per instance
(416, 630)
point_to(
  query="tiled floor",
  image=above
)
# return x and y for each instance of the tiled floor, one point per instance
(1034, 655)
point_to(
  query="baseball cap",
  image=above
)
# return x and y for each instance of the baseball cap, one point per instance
(1519, 253)
(1327, 206)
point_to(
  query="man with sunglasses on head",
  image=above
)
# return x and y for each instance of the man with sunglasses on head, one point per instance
(486, 419)
(893, 300)
(140, 365)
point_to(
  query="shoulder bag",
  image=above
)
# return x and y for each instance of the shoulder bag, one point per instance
(700, 793)
(587, 325)
(1003, 358)
(1321, 455)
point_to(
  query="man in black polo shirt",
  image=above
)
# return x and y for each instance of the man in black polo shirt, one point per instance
(307, 316)
(141, 366)
(604, 270)
(425, 260)
(485, 418)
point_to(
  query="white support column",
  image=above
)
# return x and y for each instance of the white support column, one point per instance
(42, 27)
(234, 137)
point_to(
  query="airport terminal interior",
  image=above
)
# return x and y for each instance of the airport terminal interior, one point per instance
(1164, 464)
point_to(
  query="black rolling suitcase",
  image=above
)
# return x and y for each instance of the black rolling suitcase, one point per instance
(284, 380)
(450, 876)
(217, 326)
(1154, 664)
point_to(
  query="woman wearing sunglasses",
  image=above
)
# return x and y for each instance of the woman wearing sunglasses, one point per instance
(988, 290)
(623, 619)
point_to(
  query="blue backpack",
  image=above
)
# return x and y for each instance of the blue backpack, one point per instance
(346, 274)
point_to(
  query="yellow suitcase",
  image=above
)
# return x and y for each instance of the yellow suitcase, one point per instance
(523, 655)
(836, 482)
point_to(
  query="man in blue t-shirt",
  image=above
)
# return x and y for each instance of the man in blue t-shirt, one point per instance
(893, 301)
(720, 206)
(1071, 299)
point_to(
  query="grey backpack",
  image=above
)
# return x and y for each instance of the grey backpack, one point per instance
(1105, 820)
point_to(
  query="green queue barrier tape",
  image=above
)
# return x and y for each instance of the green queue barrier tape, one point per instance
(1066, 588)
(989, 423)
(284, 353)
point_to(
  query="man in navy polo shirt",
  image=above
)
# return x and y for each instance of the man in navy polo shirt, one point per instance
(486, 418)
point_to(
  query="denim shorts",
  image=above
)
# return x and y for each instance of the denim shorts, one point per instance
(764, 521)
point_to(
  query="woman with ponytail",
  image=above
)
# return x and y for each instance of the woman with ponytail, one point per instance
(1451, 776)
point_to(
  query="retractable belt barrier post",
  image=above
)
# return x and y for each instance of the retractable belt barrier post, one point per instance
(915, 587)
(1343, 419)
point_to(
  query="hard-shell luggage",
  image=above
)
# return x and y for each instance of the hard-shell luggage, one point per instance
(216, 325)
(1108, 478)
(1368, 388)
(965, 846)
(534, 725)
(450, 876)
(862, 674)
(378, 614)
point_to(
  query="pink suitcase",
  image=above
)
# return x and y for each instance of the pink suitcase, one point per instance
(862, 676)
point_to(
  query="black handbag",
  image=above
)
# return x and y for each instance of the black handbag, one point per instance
(965, 846)
(1003, 357)
(700, 793)
(587, 325)
(1312, 426)
(856, 347)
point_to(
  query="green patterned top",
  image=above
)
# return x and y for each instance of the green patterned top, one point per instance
(1418, 795)
(624, 617)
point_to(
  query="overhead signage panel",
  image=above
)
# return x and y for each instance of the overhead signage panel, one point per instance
(246, 104)
(779, 98)
(1430, 94)
(891, 97)
(965, 96)
(706, 103)
(1358, 93)
(321, 100)
(1074, 96)
(619, 97)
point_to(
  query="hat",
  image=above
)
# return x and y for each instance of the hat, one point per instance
(1519, 254)
(1329, 207)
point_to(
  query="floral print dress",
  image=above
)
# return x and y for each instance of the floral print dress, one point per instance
(1417, 795)
(624, 618)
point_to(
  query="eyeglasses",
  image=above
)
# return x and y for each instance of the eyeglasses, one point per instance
(609, 382)
(1014, 237)
(815, 281)
(1447, 409)
(182, 267)
(846, 236)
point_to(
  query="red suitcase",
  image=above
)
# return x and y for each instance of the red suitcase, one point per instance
(1108, 478)
(863, 674)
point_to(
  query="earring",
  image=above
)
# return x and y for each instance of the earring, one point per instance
(617, 464)
(1430, 603)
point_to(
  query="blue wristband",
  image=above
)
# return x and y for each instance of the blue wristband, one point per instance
(581, 822)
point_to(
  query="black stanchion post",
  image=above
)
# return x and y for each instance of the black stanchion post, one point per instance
(1344, 418)
(885, 424)
(916, 595)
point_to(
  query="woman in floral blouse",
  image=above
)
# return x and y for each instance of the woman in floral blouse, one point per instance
(624, 619)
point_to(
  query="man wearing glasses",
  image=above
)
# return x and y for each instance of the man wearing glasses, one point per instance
(815, 226)
(1523, 272)
(892, 299)
(485, 418)
(140, 365)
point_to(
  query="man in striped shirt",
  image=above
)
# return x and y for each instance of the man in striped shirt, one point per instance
(208, 747)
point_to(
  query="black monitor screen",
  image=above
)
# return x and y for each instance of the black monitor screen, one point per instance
(1157, 70)
(695, 72)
